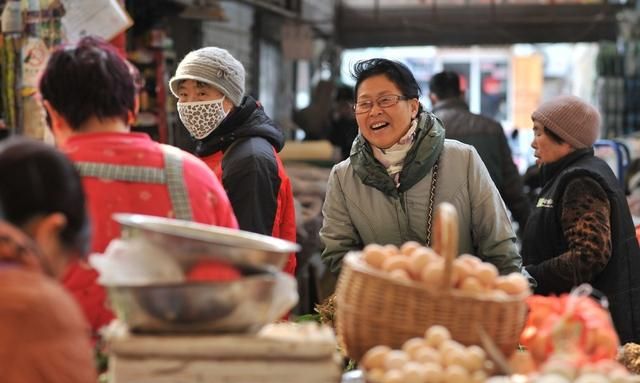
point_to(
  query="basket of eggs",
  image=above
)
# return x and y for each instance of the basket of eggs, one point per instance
(386, 295)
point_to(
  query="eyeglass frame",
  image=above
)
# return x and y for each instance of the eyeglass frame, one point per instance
(397, 97)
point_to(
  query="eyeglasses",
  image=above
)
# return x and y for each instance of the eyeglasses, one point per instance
(385, 101)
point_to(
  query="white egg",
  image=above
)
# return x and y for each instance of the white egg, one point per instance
(435, 335)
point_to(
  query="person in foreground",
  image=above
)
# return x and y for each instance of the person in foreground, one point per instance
(89, 93)
(400, 168)
(238, 141)
(581, 230)
(44, 337)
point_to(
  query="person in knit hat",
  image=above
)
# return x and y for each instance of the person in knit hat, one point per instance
(581, 230)
(237, 140)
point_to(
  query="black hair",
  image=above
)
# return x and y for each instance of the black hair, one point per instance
(445, 85)
(88, 80)
(395, 71)
(35, 180)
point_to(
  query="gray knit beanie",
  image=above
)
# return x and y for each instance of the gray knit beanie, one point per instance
(213, 66)
(572, 119)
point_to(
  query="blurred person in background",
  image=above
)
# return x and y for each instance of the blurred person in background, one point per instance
(89, 93)
(400, 168)
(315, 119)
(344, 127)
(580, 230)
(238, 141)
(44, 337)
(485, 135)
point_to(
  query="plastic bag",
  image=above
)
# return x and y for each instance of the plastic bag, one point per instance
(574, 324)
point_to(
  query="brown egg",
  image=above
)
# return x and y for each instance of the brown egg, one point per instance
(475, 357)
(408, 248)
(412, 345)
(520, 281)
(392, 249)
(434, 373)
(471, 259)
(414, 373)
(375, 357)
(512, 284)
(432, 275)
(427, 354)
(460, 270)
(374, 257)
(393, 376)
(400, 274)
(417, 261)
(486, 274)
(454, 356)
(396, 262)
(395, 359)
(472, 285)
(456, 374)
(376, 375)
(479, 377)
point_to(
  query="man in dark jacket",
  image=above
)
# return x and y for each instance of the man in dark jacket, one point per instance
(238, 142)
(485, 135)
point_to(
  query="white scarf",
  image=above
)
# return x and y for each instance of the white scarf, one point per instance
(393, 158)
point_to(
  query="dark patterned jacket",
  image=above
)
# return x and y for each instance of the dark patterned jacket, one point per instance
(580, 231)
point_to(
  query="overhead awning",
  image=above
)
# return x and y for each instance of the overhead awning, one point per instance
(366, 23)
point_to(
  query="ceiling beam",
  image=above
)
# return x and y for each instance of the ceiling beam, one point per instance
(471, 25)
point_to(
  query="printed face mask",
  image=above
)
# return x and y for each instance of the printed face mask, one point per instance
(201, 117)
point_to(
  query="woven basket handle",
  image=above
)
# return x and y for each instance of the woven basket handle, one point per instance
(445, 238)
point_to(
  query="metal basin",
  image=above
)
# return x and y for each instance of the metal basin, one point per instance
(244, 305)
(191, 242)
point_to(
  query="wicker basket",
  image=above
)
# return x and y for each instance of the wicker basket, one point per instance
(374, 309)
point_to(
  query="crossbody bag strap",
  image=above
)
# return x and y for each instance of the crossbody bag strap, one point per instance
(432, 197)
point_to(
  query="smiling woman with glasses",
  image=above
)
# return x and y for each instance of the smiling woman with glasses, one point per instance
(399, 168)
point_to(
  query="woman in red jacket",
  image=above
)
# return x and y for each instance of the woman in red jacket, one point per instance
(89, 93)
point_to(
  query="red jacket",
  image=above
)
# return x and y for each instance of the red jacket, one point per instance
(284, 226)
(206, 198)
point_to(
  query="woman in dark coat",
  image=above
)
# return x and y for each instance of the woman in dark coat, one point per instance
(581, 230)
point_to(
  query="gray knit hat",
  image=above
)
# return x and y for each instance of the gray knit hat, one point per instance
(575, 121)
(213, 66)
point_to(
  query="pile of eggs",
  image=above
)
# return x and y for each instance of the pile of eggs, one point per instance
(568, 368)
(435, 358)
(413, 262)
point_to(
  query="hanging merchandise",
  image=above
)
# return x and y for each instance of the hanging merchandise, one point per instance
(41, 34)
(10, 63)
(103, 18)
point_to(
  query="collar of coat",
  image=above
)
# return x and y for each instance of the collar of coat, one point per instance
(451, 103)
(420, 159)
(548, 171)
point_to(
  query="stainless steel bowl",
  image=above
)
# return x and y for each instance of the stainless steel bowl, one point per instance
(240, 306)
(191, 242)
